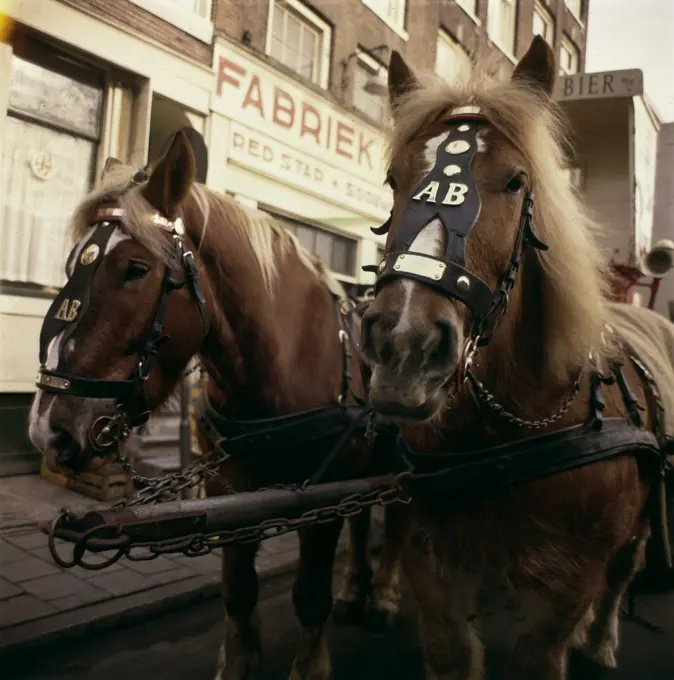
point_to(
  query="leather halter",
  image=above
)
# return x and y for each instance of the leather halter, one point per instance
(448, 193)
(69, 307)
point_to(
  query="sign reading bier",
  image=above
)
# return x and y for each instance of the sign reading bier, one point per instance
(256, 95)
(601, 85)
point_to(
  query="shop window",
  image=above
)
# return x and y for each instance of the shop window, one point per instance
(575, 7)
(501, 23)
(300, 40)
(544, 24)
(375, 106)
(50, 146)
(470, 7)
(338, 253)
(391, 12)
(450, 57)
(569, 58)
(190, 16)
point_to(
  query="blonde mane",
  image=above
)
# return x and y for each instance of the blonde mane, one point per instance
(574, 280)
(269, 241)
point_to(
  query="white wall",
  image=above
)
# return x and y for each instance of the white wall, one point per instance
(606, 191)
(663, 220)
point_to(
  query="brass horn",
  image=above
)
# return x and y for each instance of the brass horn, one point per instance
(659, 259)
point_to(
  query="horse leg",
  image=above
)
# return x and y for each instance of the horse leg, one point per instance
(451, 649)
(240, 650)
(601, 645)
(312, 598)
(446, 600)
(386, 590)
(357, 579)
(556, 621)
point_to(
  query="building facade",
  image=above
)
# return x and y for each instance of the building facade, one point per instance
(663, 221)
(288, 95)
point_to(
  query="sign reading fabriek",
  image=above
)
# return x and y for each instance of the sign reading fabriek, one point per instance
(294, 135)
(601, 85)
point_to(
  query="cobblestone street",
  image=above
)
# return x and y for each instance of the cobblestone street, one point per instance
(33, 588)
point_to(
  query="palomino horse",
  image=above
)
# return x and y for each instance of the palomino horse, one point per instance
(164, 269)
(489, 322)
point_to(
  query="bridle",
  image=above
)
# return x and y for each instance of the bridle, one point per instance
(67, 311)
(448, 193)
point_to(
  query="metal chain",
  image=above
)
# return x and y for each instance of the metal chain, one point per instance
(170, 486)
(196, 545)
(489, 400)
(201, 544)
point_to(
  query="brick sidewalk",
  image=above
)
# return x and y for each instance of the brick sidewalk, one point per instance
(37, 598)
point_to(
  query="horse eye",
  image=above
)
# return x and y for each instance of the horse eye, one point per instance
(391, 181)
(515, 185)
(136, 270)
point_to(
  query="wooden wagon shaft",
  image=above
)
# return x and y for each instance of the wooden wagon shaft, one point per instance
(175, 519)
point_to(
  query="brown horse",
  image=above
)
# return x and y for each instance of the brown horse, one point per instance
(488, 305)
(164, 269)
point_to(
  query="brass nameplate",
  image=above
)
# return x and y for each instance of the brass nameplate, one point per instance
(52, 381)
(426, 267)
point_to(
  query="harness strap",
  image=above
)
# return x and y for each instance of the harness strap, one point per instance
(525, 460)
(281, 432)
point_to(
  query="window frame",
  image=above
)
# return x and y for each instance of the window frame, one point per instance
(53, 59)
(494, 32)
(197, 24)
(471, 13)
(445, 37)
(577, 14)
(569, 46)
(366, 62)
(325, 39)
(548, 20)
(398, 27)
(291, 224)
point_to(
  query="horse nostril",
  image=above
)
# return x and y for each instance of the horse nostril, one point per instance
(375, 338)
(367, 323)
(446, 341)
(67, 449)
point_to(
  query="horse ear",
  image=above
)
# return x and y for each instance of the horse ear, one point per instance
(173, 176)
(109, 165)
(401, 79)
(538, 66)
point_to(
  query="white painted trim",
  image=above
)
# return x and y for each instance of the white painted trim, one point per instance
(6, 53)
(201, 27)
(370, 62)
(324, 28)
(173, 75)
(17, 387)
(244, 200)
(567, 44)
(508, 55)
(473, 17)
(24, 305)
(574, 15)
(490, 26)
(547, 17)
(398, 30)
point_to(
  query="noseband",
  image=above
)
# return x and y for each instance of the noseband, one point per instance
(448, 194)
(68, 309)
